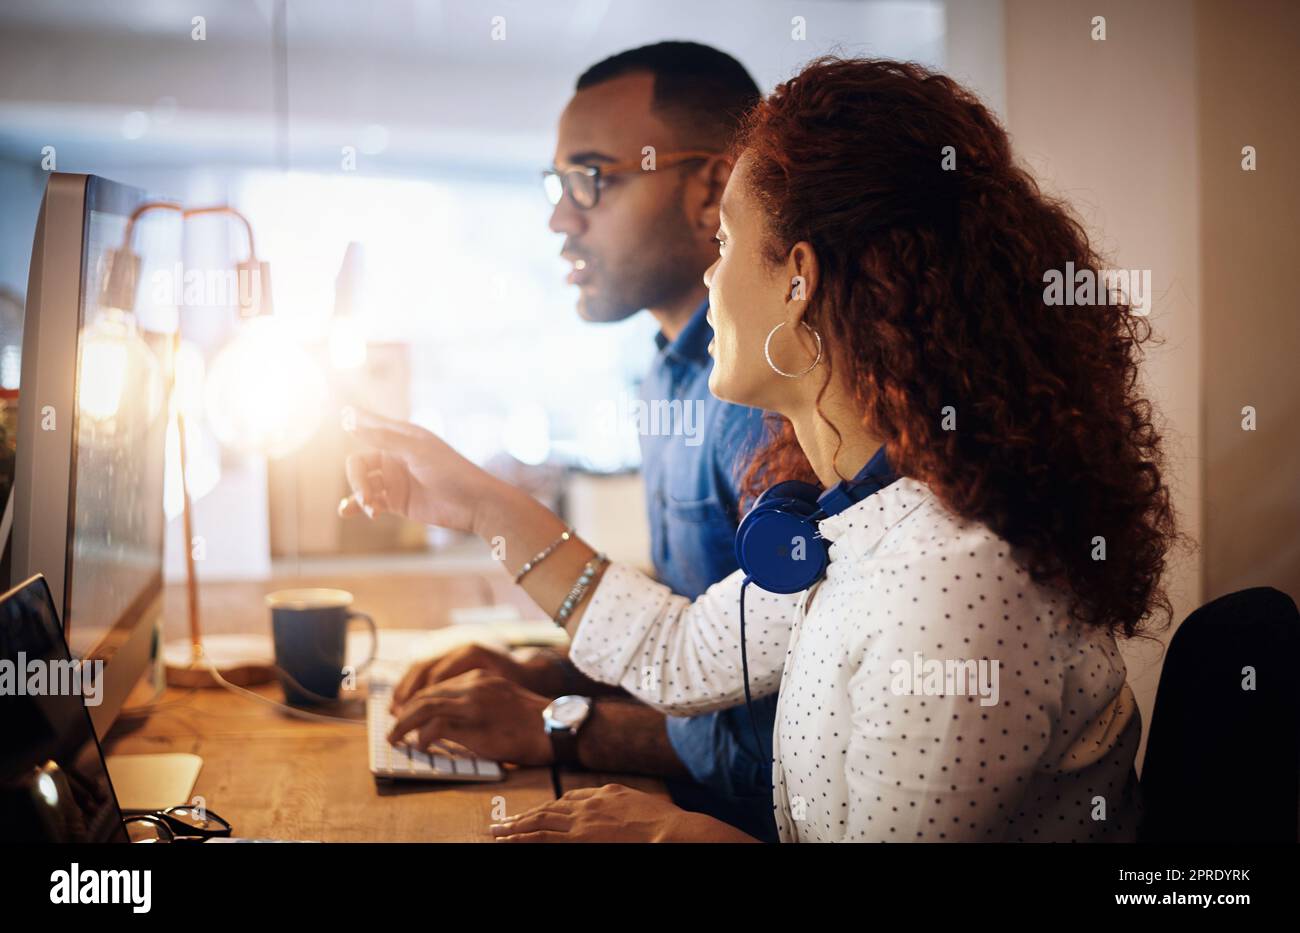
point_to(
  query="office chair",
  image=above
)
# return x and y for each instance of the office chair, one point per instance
(1223, 761)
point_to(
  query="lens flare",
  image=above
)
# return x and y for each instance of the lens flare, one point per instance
(265, 393)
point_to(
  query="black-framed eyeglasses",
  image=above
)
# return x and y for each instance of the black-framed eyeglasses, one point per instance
(175, 824)
(584, 182)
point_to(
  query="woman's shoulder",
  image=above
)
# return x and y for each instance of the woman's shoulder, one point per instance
(962, 578)
(907, 520)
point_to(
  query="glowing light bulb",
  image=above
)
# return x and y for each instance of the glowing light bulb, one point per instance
(103, 376)
(119, 381)
(264, 393)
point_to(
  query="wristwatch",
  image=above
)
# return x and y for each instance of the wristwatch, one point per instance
(562, 719)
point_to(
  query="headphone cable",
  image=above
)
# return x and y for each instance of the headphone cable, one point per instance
(744, 672)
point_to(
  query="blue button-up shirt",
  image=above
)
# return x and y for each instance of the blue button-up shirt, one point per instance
(694, 448)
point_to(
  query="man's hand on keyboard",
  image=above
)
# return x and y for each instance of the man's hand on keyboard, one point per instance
(533, 676)
(491, 716)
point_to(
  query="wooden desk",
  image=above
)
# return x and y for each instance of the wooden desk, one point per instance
(276, 776)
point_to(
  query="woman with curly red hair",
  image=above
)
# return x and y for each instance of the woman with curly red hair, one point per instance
(954, 675)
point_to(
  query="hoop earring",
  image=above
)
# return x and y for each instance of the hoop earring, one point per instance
(767, 351)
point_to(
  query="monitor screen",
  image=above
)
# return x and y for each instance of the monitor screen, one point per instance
(116, 497)
(54, 785)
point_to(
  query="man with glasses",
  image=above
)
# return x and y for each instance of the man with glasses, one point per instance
(638, 173)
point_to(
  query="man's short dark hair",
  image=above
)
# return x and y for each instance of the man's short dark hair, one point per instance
(698, 90)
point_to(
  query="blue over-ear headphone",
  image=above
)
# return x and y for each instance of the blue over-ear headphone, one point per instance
(778, 544)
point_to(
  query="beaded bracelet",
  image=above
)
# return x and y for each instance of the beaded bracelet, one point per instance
(544, 553)
(580, 588)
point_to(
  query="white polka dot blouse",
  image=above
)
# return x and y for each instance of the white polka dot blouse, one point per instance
(929, 690)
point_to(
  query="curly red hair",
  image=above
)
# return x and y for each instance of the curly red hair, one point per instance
(932, 295)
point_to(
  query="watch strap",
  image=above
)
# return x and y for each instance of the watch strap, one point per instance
(564, 745)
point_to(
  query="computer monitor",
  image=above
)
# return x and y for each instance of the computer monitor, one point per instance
(88, 477)
(54, 786)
